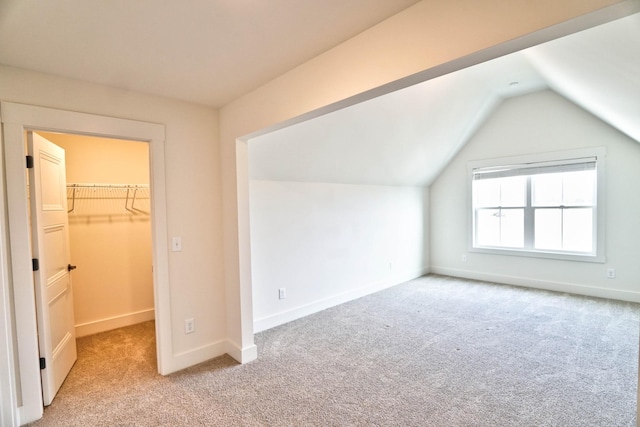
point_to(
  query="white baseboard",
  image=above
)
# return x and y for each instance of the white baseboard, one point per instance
(96, 326)
(572, 288)
(242, 355)
(281, 318)
(210, 351)
(197, 355)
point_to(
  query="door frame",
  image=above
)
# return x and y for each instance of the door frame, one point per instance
(25, 392)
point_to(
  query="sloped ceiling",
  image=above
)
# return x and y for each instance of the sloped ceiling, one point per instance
(408, 137)
(599, 70)
(203, 51)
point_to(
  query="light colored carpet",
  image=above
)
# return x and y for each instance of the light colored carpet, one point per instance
(435, 351)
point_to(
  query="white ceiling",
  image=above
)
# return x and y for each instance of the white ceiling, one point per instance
(203, 51)
(409, 136)
(212, 51)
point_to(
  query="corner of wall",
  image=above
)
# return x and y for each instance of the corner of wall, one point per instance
(197, 355)
(242, 355)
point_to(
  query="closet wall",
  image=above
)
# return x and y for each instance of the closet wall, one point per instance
(110, 237)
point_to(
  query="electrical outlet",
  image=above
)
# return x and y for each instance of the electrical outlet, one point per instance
(282, 293)
(611, 273)
(189, 326)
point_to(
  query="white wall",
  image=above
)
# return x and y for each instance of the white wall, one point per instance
(431, 36)
(193, 195)
(330, 243)
(423, 37)
(536, 123)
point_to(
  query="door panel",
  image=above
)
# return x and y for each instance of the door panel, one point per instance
(52, 183)
(50, 244)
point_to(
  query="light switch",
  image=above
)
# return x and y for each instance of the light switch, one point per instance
(176, 244)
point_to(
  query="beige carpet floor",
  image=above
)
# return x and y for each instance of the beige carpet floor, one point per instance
(435, 351)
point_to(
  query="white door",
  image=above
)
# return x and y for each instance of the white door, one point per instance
(50, 245)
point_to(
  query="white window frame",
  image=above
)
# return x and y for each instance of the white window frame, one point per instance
(599, 153)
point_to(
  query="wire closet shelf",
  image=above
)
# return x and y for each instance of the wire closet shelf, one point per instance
(129, 193)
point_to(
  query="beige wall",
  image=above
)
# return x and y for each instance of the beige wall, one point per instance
(193, 194)
(113, 285)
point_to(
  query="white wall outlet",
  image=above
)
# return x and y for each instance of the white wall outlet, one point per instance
(464, 257)
(282, 293)
(176, 244)
(189, 326)
(611, 273)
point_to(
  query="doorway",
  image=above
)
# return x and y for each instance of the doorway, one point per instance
(109, 206)
(109, 238)
(25, 398)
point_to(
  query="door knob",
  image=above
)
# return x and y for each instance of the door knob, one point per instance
(71, 267)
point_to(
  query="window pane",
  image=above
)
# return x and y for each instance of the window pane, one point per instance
(578, 188)
(509, 192)
(548, 229)
(547, 189)
(488, 227)
(512, 228)
(486, 192)
(577, 230)
(513, 191)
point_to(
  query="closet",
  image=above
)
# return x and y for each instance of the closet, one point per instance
(109, 209)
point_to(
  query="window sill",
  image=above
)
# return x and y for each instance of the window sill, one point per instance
(540, 254)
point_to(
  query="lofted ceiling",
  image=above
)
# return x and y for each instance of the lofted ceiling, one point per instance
(203, 51)
(409, 136)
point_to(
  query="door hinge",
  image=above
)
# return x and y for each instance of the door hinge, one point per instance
(35, 264)
(29, 162)
(43, 363)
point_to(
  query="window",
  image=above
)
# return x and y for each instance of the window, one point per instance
(544, 205)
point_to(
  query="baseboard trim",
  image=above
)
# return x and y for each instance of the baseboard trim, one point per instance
(283, 317)
(197, 355)
(189, 358)
(242, 355)
(102, 325)
(572, 288)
